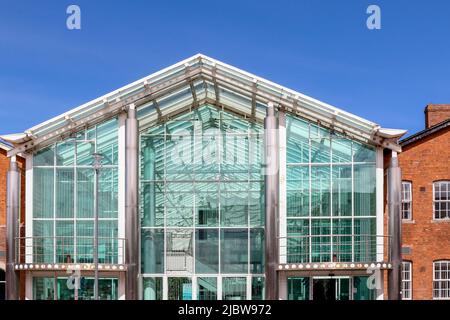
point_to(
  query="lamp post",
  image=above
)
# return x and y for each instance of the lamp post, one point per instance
(97, 165)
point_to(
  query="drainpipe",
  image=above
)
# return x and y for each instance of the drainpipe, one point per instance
(271, 203)
(12, 228)
(394, 205)
(131, 205)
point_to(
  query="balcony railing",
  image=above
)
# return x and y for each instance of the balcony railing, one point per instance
(69, 250)
(334, 248)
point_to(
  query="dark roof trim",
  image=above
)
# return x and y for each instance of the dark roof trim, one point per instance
(425, 133)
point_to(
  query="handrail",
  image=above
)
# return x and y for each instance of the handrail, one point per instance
(333, 248)
(69, 249)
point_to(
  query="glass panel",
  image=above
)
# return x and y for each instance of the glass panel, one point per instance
(234, 251)
(365, 190)
(107, 142)
(44, 157)
(153, 207)
(234, 289)
(257, 288)
(152, 250)
(65, 153)
(153, 157)
(107, 242)
(179, 204)
(207, 250)
(321, 241)
(85, 150)
(207, 204)
(85, 241)
(43, 241)
(108, 193)
(297, 191)
(234, 204)
(65, 289)
(179, 250)
(64, 242)
(85, 193)
(363, 153)
(43, 192)
(256, 204)
(342, 150)
(298, 240)
(153, 288)
(320, 184)
(342, 240)
(256, 250)
(179, 289)
(320, 150)
(207, 288)
(298, 288)
(342, 191)
(361, 289)
(64, 193)
(365, 239)
(298, 141)
(43, 288)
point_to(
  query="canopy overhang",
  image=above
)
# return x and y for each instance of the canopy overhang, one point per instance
(190, 83)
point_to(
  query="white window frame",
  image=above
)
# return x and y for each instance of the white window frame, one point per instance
(439, 293)
(407, 198)
(436, 183)
(407, 280)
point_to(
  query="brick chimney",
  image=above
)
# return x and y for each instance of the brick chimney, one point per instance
(436, 113)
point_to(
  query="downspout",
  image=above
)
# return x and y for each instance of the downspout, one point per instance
(271, 202)
(395, 232)
(131, 205)
(12, 228)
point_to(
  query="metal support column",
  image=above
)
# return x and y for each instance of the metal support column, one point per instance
(271, 202)
(12, 229)
(131, 205)
(394, 207)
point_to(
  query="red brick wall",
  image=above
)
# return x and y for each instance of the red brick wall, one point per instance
(436, 113)
(422, 163)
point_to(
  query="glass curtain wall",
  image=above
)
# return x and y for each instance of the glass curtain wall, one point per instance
(331, 209)
(202, 210)
(63, 198)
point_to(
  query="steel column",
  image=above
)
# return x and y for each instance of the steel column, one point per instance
(12, 228)
(131, 205)
(271, 202)
(394, 206)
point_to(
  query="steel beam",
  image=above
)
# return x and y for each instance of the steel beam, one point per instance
(12, 229)
(271, 176)
(131, 205)
(394, 206)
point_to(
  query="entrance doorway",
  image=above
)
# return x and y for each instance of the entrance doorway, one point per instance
(331, 289)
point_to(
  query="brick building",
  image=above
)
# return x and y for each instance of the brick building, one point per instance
(426, 208)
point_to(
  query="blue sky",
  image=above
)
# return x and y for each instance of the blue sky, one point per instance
(321, 48)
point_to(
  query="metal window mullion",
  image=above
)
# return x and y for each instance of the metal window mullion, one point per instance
(165, 282)
(75, 201)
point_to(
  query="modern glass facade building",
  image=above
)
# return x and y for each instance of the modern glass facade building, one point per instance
(215, 184)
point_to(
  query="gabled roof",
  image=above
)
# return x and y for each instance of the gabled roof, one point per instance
(425, 133)
(192, 77)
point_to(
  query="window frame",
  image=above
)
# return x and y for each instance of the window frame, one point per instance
(409, 280)
(447, 261)
(447, 217)
(410, 201)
